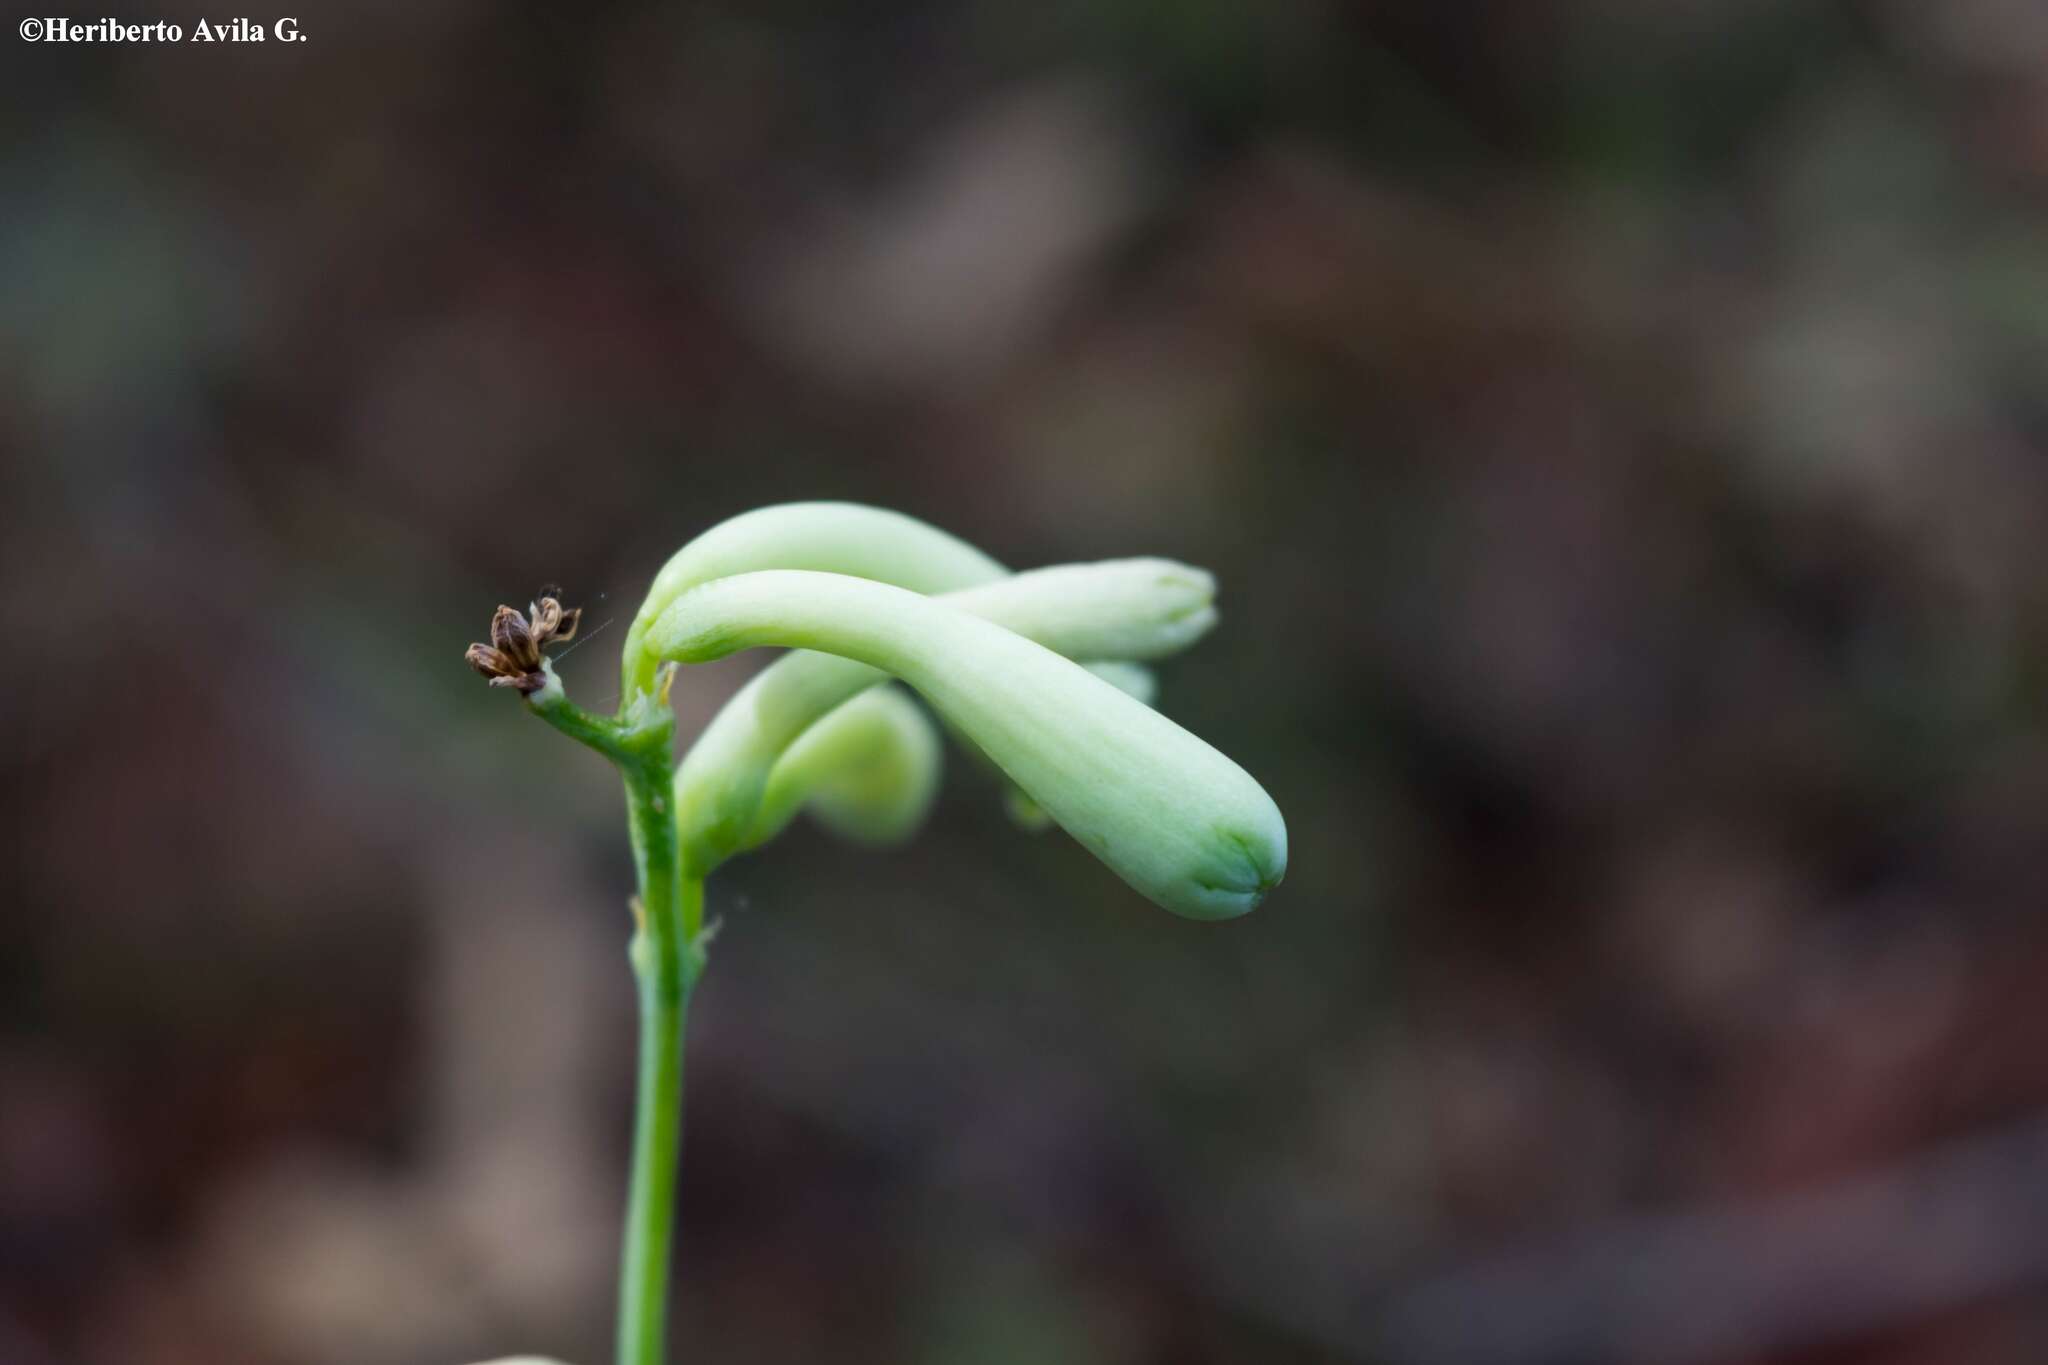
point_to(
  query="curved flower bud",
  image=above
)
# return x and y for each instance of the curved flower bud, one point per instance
(1134, 680)
(868, 772)
(1132, 608)
(1169, 814)
(835, 537)
(1143, 608)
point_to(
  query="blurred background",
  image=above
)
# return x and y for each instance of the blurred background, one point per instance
(1618, 429)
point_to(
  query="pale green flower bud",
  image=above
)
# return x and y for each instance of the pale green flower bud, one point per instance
(834, 537)
(1117, 609)
(1169, 814)
(1138, 608)
(868, 772)
(1135, 680)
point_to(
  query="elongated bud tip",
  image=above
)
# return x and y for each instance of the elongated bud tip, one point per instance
(1243, 866)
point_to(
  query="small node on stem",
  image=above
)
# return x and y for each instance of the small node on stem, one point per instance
(699, 947)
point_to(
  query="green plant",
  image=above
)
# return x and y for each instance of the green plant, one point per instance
(862, 596)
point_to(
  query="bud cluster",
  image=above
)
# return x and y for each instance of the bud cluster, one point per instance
(514, 656)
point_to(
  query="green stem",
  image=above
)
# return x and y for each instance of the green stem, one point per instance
(666, 963)
(667, 956)
(651, 1197)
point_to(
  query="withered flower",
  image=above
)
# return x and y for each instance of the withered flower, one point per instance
(513, 657)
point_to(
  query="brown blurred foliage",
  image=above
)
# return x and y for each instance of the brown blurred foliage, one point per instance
(1619, 433)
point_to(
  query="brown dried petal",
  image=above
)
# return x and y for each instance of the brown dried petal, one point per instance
(501, 624)
(514, 639)
(487, 661)
(547, 620)
(552, 622)
(526, 683)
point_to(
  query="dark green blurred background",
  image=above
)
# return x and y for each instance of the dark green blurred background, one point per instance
(1619, 431)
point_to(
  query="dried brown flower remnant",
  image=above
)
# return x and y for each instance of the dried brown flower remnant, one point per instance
(513, 657)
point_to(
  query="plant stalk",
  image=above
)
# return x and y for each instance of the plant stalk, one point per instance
(666, 960)
(667, 956)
